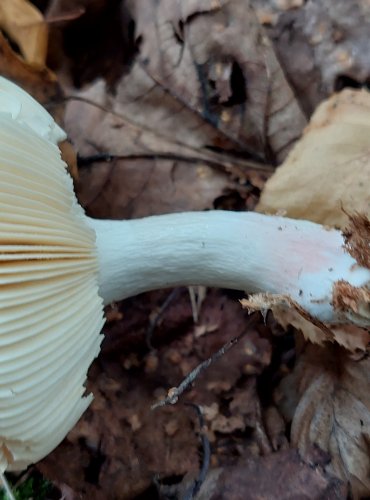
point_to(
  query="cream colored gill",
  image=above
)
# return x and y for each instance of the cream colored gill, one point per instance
(50, 312)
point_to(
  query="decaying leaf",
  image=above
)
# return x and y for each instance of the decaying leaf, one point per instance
(352, 337)
(281, 475)
(332, 392)
(323, 45)
(153, 174)
(40, 82)
(204, 91)
(354, 301)
(328, 172)
(215, 75)
(213, 60)
(24, 24)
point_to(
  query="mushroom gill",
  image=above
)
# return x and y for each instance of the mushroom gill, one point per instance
(50, 312)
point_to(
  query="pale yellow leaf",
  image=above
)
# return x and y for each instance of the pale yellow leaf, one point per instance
(329, 168)
(25, 25)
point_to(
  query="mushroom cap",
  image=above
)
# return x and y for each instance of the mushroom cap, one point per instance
(25, 109)
(50, 312)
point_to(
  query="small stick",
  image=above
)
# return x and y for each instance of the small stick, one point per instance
(197, 295)
(85, 161)
(206, 456)
(174, 393)
(154, 322)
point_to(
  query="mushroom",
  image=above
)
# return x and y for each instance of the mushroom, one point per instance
(58, 268)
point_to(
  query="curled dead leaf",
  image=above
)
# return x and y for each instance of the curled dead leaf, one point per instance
(328, 394)
(351, 337)
(352, 302)
(329, 168)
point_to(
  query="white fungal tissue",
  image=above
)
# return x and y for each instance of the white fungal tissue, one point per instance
(50, 312)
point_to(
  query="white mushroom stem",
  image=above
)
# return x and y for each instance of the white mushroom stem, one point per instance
(243, 251)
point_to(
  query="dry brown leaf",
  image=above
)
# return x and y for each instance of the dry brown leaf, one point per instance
(281, 475)
(287, 312)
(128, 189)
(40, 82)
(333, 412)
(275, 428)
(154, 175)
(352, 337)
(329, 168)
(323, 46)
(25, 25)
(210, 63)
(211, 59)
(204, 85)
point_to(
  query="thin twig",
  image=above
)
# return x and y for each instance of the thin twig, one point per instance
(174, 393)
(154, 322)
(197, 295)
(206, 455)
(86, 161)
